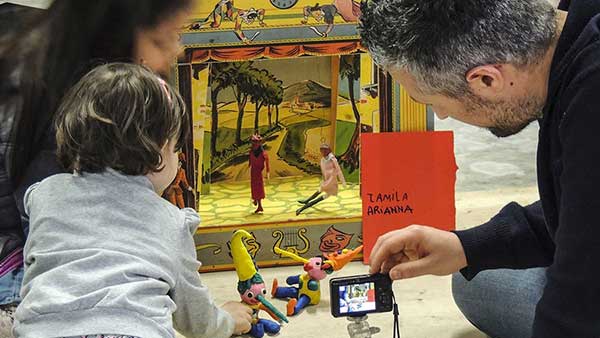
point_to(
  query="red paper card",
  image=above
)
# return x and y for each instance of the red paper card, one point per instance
(406, 178)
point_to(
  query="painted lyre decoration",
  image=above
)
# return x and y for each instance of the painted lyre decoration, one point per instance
(250, 243)
(293, 241)
(216, 248)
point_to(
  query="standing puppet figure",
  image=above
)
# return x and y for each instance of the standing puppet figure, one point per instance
(259, 159)
(316, 269)
(174, 193)
(252, 288)
(331, 171)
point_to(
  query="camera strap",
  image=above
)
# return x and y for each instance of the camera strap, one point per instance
(396, 318)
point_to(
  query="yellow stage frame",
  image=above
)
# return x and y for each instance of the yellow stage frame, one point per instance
(282, 30)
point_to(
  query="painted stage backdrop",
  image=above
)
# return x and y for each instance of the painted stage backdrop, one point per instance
(295, 104)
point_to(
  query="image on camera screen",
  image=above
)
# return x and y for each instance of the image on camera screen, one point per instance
(357, 298)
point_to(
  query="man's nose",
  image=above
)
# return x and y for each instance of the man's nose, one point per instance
(440, 115)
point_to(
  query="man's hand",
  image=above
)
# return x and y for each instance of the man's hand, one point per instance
(242, 315)
(417, 250)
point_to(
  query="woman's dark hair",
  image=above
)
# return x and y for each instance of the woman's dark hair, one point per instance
(59, 47)
(119, 116)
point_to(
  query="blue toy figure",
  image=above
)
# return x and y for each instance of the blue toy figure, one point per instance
(308, 291)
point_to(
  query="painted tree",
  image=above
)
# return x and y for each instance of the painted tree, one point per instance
(274, 97)
(221, 77)
(350, 70)
(261, 80)
(268, 91)
(278, 100)
(243, 83)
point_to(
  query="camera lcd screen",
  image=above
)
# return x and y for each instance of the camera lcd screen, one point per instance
(357, 298)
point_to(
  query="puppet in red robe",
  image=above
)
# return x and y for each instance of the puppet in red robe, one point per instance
(258, 161)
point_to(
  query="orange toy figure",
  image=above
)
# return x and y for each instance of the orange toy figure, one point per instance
(258, 160)
(174, 193)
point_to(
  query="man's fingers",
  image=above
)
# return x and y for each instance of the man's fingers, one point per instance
(392, 261)
(412, 269)
(381, 251)
(386, 245)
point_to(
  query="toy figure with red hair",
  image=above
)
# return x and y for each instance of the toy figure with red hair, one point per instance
(251, 288)
(308, 291)
(174, 193)
(259, 160)
(331, 171)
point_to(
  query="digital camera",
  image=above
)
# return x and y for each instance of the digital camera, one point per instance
(356, 296)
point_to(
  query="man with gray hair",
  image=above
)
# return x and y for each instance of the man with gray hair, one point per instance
(500, 65)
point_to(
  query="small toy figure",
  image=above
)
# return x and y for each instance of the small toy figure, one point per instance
(316, 269)
(174, 193)
(331, 171)
(225, 10)
(252, 288)
(349, 10)
(259, 159)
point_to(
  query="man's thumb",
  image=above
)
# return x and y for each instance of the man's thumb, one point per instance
(411, 269)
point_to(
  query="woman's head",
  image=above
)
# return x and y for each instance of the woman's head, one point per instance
(118, 30)
(64, 41)
(122, 116)
(72, 36)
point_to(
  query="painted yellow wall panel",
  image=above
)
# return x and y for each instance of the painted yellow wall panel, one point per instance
(366, 69)
(200, 110)
(413, 115)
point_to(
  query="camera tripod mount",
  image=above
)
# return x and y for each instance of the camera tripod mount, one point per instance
(359, 327)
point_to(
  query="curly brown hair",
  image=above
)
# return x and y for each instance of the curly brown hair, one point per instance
(119, 116)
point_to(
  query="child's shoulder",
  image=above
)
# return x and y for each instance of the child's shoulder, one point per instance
(49, 184)
(186, 219)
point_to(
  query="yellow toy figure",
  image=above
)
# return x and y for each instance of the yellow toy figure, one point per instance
(316, 269)
(252, 288)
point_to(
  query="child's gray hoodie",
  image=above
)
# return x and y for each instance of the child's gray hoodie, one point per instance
(106, 255)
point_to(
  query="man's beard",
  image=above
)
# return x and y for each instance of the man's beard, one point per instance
(508, 118)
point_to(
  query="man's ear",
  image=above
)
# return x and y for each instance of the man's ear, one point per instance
(486, 80)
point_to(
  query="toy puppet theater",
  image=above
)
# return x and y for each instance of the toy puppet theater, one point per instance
(279, 90)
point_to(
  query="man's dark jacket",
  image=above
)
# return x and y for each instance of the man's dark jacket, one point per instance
(562, 230)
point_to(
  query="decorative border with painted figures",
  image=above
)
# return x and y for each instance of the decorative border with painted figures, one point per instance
(306, 238)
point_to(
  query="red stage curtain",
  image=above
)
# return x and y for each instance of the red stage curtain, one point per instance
(229, 54)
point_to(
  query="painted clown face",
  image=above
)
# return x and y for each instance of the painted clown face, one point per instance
(314, 268)
(249, 296)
